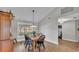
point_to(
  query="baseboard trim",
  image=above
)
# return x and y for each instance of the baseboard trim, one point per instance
(52, 42)
(69, 40)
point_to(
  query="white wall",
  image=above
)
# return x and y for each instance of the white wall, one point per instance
(14, 28)
(49, 26)
(68, 31)
(77, 32)
(69, 28)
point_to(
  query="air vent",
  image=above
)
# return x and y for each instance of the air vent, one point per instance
(66, 10)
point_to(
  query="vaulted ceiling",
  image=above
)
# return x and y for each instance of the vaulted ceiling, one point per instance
(25, 13)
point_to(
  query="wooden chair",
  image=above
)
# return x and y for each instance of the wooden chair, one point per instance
(28, 42)
(40, 42)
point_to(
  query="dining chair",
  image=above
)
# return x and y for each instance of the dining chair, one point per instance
(28, 42)
(40, 42)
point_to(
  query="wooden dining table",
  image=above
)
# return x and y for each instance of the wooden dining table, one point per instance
(34, 39)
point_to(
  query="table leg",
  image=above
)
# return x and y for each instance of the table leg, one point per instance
(33, 45)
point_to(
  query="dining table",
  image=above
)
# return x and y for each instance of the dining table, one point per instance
(34, 39)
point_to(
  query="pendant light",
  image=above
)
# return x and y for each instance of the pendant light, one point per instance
(33, 25)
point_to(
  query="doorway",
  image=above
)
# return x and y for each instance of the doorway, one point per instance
(59, 33)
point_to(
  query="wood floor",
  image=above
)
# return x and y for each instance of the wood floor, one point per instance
(49, 47)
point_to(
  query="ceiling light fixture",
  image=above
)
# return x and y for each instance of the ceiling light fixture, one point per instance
(60, 21)
(33, 25)
(63, 20)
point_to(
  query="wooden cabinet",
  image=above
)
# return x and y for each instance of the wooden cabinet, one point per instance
(6, 44)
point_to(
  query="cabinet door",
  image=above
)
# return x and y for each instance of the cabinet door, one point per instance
(5, 27)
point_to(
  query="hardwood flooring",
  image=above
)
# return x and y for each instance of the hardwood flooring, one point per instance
(49, 47)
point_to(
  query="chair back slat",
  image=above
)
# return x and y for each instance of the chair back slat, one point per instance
(42, 38)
